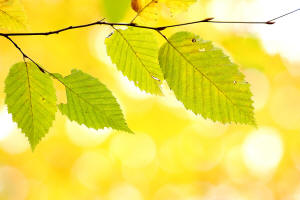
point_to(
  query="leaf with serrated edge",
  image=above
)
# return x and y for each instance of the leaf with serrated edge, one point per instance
(205, 80)
(31, 99)
(153, 10)
(149, 15)
(12, 15)
(89, 102)
(135, 52)
(178, 6)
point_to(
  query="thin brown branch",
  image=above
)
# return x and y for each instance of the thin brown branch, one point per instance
(289, 13)
(101, 22)
(25, 55)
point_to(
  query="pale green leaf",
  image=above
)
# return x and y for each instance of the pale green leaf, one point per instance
(155, 9)
(205, 80)
(31, 99)
(178, 6)
(12, 15)
(150, 14)
(135, 52)
(89, 102)
(115, 12)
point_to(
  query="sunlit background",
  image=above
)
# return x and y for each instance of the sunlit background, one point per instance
(173, 155)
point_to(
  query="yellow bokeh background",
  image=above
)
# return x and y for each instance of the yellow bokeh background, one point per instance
(173, 155)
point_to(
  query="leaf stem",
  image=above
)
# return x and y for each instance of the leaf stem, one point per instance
(43, 70)
(142, 10)
(160, 28)
(131, 24)
(25, 55)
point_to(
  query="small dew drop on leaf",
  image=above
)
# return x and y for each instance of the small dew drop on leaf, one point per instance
(240, 82)
(188, 59)
(155, 78)
(141, 63)
(194, 40)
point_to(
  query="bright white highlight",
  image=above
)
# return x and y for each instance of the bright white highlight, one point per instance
(260, 86)
(6, 124)
(262, 151)
(83, 136)
(281, 37)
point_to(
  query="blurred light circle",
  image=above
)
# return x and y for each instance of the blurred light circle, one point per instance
(230, 10)
(124, 191)
(206, 127)
(140, 176)
(176, 192)
(294, 150)
(97, 44)
(281, 38)
(6, 124)
(293, 68)
(13, 184)
(193, 198)
(258, 191)
(15, 143)
(93, 169)
(285, 107)
(198, 153)
(235, 167)
(83, 136)
(168, 156)
(169, 98)
(134, 150)
(262, 151)
(130, 88)
(296, 194)
(260, 87)
(276, 39)
(168, 192)
(223, 192)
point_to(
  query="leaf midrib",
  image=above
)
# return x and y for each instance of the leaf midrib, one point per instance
(30, 96)
(83, 99)
(135, 53)
(204, 75)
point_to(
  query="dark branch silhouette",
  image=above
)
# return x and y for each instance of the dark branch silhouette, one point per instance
(24, 55)
(102, 22)
(160, 28)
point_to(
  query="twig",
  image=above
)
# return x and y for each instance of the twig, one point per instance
(39, 66)
(25, 55)
(142, 10)
(284, 15)
(101, 22)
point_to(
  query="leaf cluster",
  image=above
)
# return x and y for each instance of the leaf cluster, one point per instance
(201, 76)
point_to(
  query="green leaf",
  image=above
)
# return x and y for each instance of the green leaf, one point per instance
(12, 15)
(115, 11)
(154, 10)
(89, 102)
(205, 80)
(135, 52)
(31, 99)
